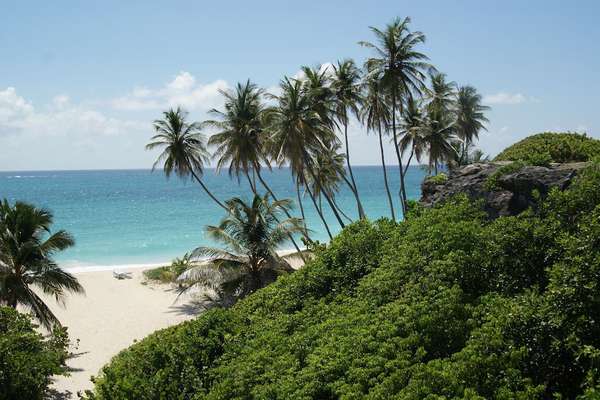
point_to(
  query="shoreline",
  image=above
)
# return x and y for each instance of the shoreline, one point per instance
(81, 269)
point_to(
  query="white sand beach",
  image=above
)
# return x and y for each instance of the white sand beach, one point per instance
(111, 315)
(108, 318)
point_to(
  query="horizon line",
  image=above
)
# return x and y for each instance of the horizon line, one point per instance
(160, 169)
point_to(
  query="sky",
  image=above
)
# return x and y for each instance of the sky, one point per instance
(81, 82)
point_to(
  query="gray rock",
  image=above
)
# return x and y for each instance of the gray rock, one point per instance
(514, 192)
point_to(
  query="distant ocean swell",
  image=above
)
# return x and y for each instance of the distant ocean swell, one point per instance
(138, 218)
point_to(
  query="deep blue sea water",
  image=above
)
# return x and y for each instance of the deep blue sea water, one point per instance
(123, 217)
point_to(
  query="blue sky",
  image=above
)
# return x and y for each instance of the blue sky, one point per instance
(80, 82)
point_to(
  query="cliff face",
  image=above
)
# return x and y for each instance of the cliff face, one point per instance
(513, 192)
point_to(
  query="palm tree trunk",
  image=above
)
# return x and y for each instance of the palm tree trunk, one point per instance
(331, 205)
(320, 202)
(401, 193)
(341, 211)
(312, 197)
(412, 153)
(301, 208)
(385, 179)
(256, 172)
(252, 187)
(361, 211)
(208, 192)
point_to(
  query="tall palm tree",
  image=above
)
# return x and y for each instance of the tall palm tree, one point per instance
(441, 94)
(316, 85)
(250, 235)
(399, 68)
(376, 116)
(470, 116)
(413, 131)
(27, 246)
(347, 97)
(438, 133)
(240, 140)
(296, 131)
(184, 149)
(329, 170)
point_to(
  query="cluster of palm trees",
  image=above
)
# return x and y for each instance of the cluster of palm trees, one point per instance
(300, 126)
(396, 94)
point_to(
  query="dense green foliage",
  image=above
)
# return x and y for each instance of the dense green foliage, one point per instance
(27, 360)
(169, 273)
(552, 147)
(438, 179)
(446, 305)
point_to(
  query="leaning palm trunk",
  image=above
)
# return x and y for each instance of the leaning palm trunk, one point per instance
(208, 192)
(301, 207)
(340, 210)
(327, 197)
(385, 179)
(401, 192)
(353, 187)
(268, 189)
(312, 197)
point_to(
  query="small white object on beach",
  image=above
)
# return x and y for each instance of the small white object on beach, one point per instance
(121, 274)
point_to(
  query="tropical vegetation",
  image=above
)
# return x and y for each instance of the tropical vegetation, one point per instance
(397, 94)
(552, 147)
(250, 235)
(27, 247)
(28, 360)
(446, 304)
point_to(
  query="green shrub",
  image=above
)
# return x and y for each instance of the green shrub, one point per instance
(491, 182)
(552, 147)
(27, 360)
(438, 179)
(169, 273)
(446, 305)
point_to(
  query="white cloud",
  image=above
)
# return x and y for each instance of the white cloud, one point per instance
(12, 106)
(59, 118)
(507, 98)
(183, 90)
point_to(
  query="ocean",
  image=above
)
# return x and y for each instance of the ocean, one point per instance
(132, 217)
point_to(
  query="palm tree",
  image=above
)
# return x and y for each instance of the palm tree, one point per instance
(27, 246)
(347, 96)
(184, 150)
(438, 133)
(296, 131)
(329, 171)
(442, 93)
(470, 116)
(398, 67)
(413, 131)
(316, 85)
(240, 140)
(250, 235)
(376, 115)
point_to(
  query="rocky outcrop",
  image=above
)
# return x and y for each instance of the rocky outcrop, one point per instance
(513, 191)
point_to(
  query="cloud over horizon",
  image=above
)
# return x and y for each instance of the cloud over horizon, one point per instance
(507, 98)
(183, 90)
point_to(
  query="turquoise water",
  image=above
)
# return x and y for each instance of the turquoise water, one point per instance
(123, 217)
